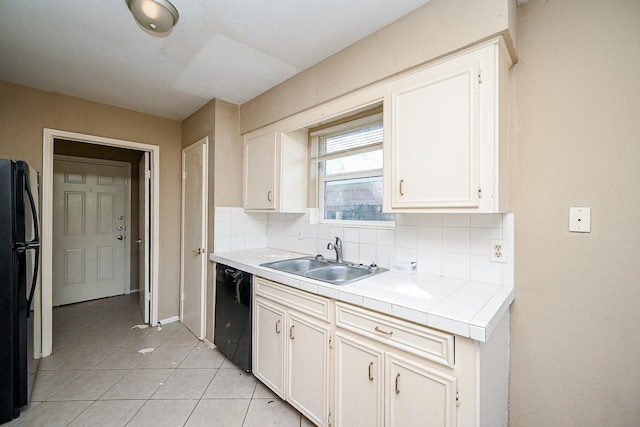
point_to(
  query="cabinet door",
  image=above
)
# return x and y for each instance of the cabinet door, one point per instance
(308, 375)
(260, 172)
(359, 383)
(268, 346)
(434, 141)
(418, 395)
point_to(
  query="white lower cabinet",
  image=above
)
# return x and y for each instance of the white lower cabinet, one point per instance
(418, 395)
(308, 367)
(359, 383)
(269, 343)
(342, 365)
(291, 347)
(378, 384)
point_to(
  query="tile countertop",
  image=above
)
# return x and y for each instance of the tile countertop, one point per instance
(465, 308)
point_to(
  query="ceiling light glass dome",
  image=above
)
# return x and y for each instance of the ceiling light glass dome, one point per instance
(158, 16)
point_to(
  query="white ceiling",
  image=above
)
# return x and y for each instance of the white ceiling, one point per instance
(228, 49)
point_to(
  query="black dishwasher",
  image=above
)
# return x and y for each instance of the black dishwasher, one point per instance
(232, 333)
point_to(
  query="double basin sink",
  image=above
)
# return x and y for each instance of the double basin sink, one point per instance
(322, 269)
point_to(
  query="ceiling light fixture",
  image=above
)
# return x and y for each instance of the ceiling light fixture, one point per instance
(158, 16)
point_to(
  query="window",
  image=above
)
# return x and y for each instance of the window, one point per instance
(348, 161)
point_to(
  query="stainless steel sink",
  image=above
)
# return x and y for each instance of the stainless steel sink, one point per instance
(327, 271)
(297, 265)
(340, 274)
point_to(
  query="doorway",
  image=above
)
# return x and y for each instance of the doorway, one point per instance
(91, 216)
(152, 151)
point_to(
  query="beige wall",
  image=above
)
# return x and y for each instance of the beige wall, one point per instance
(228, 157)
(575, 349)
(218, 120)
(24, 112)
(431, 31)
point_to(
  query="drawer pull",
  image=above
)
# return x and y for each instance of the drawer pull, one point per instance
(291, 332)
(277, 326)
(370, 377)
(402, 187)
(269, 195)
(397, 389)
(383, 331)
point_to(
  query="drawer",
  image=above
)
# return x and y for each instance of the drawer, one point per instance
(415, 339)
(312, 305)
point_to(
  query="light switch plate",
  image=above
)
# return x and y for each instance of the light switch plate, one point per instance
(580, 219)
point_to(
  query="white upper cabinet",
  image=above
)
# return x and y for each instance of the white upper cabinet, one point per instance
(275, 172)
(260, 172)
(445, 135)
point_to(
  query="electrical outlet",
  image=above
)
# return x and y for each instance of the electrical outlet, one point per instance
(497, 251)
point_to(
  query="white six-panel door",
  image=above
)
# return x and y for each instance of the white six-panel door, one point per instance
(89, 231)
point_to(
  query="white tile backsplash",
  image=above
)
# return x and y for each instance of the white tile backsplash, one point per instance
(430, 262)
(385, 237)
(449, 245)
(352, 234)
(480, 237)
(406, 219)
(407, 236)
(456, 220)
(429, 220)
(368, 236)
(430, 238)
(486, 221)
(456, 239)
(456, 265)
(235, 229)
(367, 253)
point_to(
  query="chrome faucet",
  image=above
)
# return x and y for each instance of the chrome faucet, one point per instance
(337, 246)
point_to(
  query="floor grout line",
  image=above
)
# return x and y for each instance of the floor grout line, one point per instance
(70, 342)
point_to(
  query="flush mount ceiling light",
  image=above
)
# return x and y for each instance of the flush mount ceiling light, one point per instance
(158, 16)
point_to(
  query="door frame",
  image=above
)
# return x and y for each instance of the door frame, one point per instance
(144, 231)
(48, 141)
(205, 220)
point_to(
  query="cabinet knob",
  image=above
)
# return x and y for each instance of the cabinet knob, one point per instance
(269, 195)
(277, 326)
(397, 389)
(291, 332)
(402, 187)
(370, 376)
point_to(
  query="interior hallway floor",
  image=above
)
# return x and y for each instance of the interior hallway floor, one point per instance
(97, 376)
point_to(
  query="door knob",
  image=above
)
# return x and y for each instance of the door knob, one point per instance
(120, 237)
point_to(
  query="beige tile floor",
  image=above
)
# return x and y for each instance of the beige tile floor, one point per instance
(96, 376)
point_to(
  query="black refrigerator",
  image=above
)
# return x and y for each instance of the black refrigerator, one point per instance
(19, 262)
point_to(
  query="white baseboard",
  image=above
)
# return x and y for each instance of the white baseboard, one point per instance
(169, 320)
